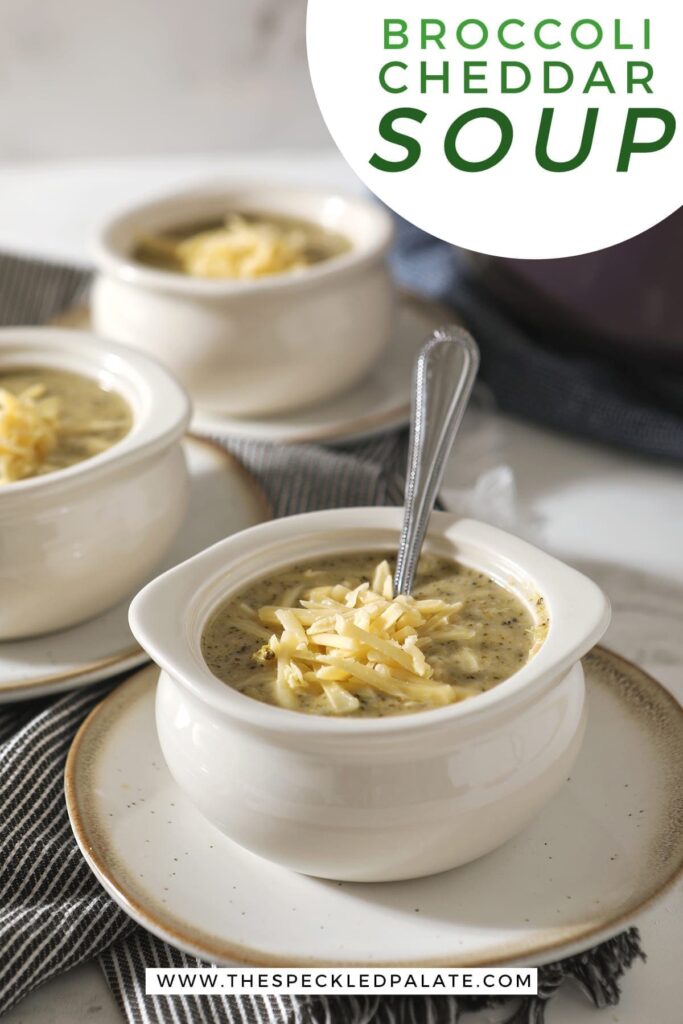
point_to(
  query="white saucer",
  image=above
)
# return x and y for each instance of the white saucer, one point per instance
(380, 402)
(607, 845)
(224, 499)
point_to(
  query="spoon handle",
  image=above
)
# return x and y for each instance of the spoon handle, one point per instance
(443, 379)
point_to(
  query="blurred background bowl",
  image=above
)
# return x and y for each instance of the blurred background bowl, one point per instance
(261, 346)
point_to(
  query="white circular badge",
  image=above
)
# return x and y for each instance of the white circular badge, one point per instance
(535, 130)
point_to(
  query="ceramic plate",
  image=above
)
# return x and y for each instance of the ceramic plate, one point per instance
(380, 402)
(224, 499)
(607, 845)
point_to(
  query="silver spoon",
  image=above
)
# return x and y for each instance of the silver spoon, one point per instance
(443, 379)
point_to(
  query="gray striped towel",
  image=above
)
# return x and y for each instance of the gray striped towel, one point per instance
(53, 912)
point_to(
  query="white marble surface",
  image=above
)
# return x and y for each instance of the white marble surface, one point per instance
(163, 76)
(616, 515)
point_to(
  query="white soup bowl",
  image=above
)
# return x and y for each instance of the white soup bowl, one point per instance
(74, 542)
(369, 799)
(261, 346)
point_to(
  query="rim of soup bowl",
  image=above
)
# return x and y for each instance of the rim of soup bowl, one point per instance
(111, 250)
(168, 616)
(160, 407)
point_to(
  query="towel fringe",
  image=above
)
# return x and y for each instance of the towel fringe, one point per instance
(597, 972)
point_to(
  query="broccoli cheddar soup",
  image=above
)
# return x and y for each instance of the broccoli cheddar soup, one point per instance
(51, 419)
(329, 638)
(242, 246)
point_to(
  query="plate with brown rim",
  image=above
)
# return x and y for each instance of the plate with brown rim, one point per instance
(607, 846)
(380, 402)
(224, 498)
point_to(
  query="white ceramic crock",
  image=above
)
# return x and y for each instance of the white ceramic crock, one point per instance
(252, 347)
(73, 543)
(369, 799)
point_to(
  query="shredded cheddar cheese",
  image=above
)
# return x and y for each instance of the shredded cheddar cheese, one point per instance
(243, 249)
(240, 248)
(338, 641)
(28, 432)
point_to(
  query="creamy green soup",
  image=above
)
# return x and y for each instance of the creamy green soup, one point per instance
(243, 246)
(486, 637)
(51, 419)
